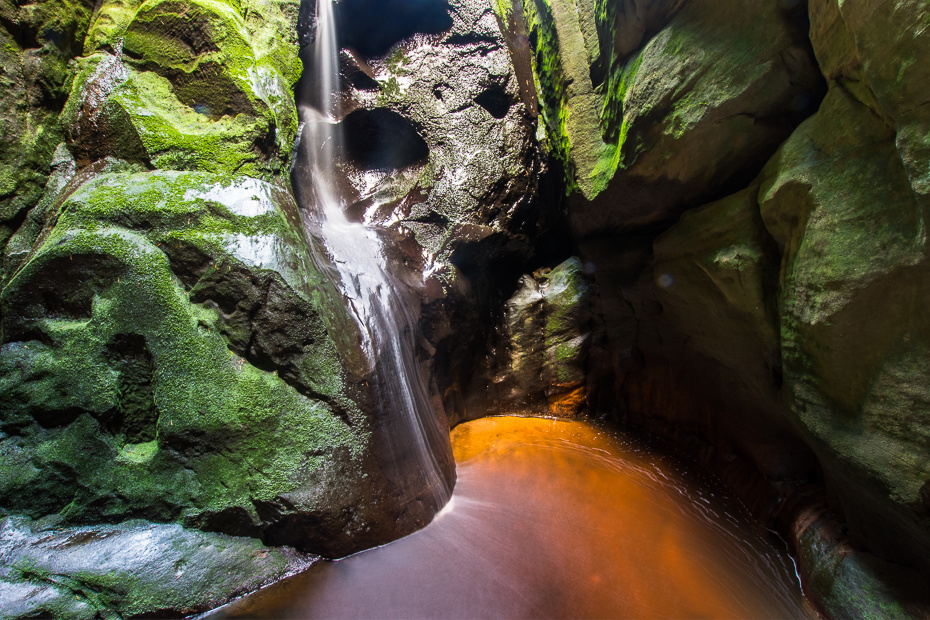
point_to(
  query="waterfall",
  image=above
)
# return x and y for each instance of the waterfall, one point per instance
(381, 305)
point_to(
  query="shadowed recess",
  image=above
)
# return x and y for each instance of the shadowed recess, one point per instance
(373, 27)
(381, 139)
(495, 101)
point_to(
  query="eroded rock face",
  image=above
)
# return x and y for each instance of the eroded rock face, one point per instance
(170, 349)
(842, 198)
(131, 569)
(439, 151)
(778, 328)
(38, 41)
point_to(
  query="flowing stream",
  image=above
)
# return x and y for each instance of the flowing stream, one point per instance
(382, 306)
(557, 519)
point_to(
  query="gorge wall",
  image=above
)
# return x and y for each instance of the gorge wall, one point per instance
(703, 218)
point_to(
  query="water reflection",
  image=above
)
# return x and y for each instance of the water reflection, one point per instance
(556, 520)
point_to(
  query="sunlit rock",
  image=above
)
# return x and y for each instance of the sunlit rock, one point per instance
(544, 344)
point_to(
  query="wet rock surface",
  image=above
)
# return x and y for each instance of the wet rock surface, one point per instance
(440, 152)
(132, 569)
(541, 352)
(170, 349)
(742, 185)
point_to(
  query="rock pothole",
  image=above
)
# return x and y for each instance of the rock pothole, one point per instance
(381, 139)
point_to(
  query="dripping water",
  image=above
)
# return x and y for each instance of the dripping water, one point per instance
(383, 307)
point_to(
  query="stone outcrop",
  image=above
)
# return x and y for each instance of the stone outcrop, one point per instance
(776, 332)
(131, 569)
(540, 358)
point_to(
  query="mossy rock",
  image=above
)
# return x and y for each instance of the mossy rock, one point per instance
(130, 570)
(161, 345)
(195, 86)
(37, 41)
(839, 201)
(645, 134)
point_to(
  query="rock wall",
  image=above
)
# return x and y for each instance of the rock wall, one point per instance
(776, 332)
(701, 217)
(172, 349)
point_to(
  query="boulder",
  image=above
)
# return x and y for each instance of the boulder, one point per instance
(840, 203)
(131, 569)
(695, 111)
(540, 361)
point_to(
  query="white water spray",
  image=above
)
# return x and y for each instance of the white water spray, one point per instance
(386, 320)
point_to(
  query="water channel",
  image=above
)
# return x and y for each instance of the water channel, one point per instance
(556, 519)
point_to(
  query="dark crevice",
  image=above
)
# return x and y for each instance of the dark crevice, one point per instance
(137, 415)
(495, 101)
(26, 37)
(381, 139)
(352, 73)
(473, 39)
(373, 27)
(56, 417)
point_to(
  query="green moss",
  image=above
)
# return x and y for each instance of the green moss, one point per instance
(110, 22)
(139, 453)
(390, 90)
(621, 76)
(547, 69)
(35, 82)
(226, 432)
(218, 99)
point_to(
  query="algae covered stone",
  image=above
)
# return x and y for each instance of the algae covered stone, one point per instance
(171, 349)
(130, 569)
(644, 134)
(36, 43)
(853, 290)
(105, 349)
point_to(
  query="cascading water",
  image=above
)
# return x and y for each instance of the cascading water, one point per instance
(380, 304)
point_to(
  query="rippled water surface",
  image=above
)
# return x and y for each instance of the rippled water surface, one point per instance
(556, 520)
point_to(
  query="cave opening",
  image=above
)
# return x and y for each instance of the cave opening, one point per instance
(382, 139)
(373, 27)
(495, 101)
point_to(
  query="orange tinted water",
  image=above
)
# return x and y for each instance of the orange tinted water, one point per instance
(556, 520)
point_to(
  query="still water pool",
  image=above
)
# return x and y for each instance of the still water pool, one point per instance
(554, 519)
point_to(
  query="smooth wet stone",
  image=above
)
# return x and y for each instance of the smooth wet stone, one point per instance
(839, 201)
(546, 336)
(172, 347)
(128, 570)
